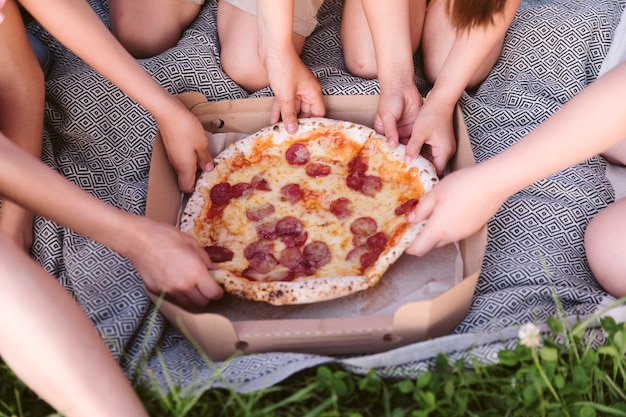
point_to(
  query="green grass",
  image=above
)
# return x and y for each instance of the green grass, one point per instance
(562, 376)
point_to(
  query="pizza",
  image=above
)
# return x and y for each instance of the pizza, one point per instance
(306, 217)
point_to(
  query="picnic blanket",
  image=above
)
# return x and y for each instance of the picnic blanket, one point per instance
(102, 141)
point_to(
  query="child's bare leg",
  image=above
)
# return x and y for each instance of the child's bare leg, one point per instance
(149, 27)
(439, 37)
(75, 372)
(22, 95)
(616, 154)
(605, 242)
(239, 40)
(356, 38)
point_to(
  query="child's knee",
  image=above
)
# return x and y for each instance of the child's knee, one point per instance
(605, 242)
(361, 66)
(250, 75)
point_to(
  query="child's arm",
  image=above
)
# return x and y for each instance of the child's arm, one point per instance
(168, 260)
(400, 101)
(465, 200)
(296, 88)
(75, 25)
(454, 59)
(50, 344)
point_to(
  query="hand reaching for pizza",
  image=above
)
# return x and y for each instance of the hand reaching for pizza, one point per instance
(460, 204)
(186, 144)
(298, 92)
(434, 127)
(172, 262)
(398, 108)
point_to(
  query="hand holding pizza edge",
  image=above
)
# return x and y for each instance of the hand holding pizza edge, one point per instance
(298, 92)
(397, 111)
(433, 126)
(186, 145)
(459, 205)
(171, 262)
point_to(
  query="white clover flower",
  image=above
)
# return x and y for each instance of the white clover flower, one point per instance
(529, 335)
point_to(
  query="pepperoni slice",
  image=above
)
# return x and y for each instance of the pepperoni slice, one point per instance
(356, 253)
(241, 189)
(405, 207)
(260, 183)
(364, 226)
(267, 230)
(219, 254)
(292, 193)
(358, 164)
(220, 194)
(260, 212)
(289, 226)
(262, 262)
(280, 275)
(317, 169)
(371, 185)
(369, 258)
(214, 211)
(366, 184)
(317, 253)
(297, 154)
(305, 268)
(341, 208)
(296, 241)
(258, 247)
(377, 241)
(252, 275)
(290, 258)
(354, 180)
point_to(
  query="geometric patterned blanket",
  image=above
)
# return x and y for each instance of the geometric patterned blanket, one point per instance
(102, 140)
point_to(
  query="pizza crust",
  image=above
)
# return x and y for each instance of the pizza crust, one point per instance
(304, 290)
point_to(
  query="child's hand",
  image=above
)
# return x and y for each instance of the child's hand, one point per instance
(171, 262)
(434, 127)
(398, 108)
(298, 92)
(186, 144)
(459, 205)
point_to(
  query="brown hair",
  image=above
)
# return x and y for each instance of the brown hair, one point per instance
(466, 14)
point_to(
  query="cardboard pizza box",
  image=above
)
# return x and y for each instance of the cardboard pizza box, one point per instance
(417, 299)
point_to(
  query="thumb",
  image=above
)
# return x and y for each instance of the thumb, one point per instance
(205, 160)
(413, 147)
(186, 179)
(424, 241)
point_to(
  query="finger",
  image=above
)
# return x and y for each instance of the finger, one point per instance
(275, 112)
(422, 244)
(422, 210)
(195, 297)
(186, 179)
(289, 115)
(205, 161)
(440, 162)
(390, 129)
(413, 148)
(179, 299)
(210, 288)
(305, 110)
(318, 108)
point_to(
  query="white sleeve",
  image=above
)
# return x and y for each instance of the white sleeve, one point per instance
(617, 50)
